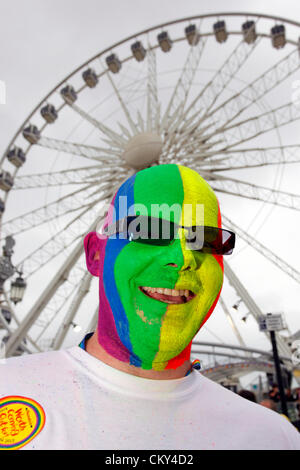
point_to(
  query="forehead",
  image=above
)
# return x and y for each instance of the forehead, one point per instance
(172, 192)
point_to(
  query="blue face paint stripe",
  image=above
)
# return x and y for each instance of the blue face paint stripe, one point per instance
(112, 250)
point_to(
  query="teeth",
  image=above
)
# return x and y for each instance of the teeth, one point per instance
(172, 292)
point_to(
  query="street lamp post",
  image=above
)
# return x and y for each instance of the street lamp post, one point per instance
(278, 374)
(7, 269)
(272, 323)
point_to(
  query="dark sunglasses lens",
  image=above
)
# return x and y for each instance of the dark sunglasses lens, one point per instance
(211, 240)
(151, 231)
(160, 232)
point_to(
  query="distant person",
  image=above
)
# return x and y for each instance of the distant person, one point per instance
(274, 393)
(290, 396)
(248, 395)
(268, 403)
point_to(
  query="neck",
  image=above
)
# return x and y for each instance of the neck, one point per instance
(95, 349)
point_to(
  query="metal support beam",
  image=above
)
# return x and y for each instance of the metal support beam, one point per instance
(75, 304)
(252, 306)
(239, 348)
(61, 276)
(93, 323)
(280, 263)
(232, 322)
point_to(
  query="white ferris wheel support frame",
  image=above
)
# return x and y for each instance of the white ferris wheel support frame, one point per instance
(275, 118)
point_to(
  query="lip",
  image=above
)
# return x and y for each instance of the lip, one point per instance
(169, 299)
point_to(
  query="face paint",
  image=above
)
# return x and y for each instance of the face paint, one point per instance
(133, 326)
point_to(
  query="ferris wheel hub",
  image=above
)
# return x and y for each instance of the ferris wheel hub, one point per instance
(142, 150)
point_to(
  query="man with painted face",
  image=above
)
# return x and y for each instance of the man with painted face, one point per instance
(155, 293)
(131, 383)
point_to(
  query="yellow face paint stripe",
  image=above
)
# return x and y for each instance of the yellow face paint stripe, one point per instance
(189, 316)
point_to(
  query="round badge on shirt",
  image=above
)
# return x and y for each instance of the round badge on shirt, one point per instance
(21, 420)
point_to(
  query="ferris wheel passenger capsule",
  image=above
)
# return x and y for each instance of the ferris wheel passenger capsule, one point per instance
(192, 34)
(68, 94)
(16, 156)
(164, 41)
(113, 63)
(220, 31)
(32, 134)
(6, 314)
(90, 78)
(6, 180)
(278, 36)
(2, 206)
(49, 113)
(249, 33)
(138, 51)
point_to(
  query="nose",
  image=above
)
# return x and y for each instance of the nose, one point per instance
(189, 260)
(179, 256)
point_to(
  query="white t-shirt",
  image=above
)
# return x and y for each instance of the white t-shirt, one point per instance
(90, 405)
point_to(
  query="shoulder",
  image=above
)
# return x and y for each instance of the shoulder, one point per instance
(26, 372)
(262, 425)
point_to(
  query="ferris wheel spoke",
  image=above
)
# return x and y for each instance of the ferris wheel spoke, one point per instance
(85, 151)
(141, 122)
(132, 125)
(82, 290)
(220, 81)
(268, 254)
(185, 81)
(50, 313)
(54, 310)
(258, 125)
(63, 238)
(15, 318)
(43, 213)
(261, 86)
(48, 294)
(66, 212)
(153, 107)
(252, 157)
(59, 178)
(252, 191)
(116, 139)
(54, 246)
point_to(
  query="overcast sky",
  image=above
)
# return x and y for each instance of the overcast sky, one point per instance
(41, 41)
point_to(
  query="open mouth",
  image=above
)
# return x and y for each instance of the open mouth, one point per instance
(169, 296)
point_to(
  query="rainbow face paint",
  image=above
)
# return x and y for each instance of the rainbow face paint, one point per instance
(135, 325)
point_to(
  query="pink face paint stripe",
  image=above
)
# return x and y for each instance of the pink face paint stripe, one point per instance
(107, 328)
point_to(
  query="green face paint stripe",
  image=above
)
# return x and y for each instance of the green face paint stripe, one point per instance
(194, 187)
(168, 179)
(144, 341)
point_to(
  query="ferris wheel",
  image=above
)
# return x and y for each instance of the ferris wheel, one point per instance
(213, 92)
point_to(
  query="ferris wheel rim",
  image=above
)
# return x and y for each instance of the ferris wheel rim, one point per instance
(243, 14)
(128, 38)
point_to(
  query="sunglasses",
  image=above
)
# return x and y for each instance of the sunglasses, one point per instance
(161, 232)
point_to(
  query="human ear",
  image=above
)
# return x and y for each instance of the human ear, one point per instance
(92, 246)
